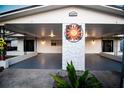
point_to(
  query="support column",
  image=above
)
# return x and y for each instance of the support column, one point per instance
(21, 46)
(115, 47)
(122, 71)
(73, 51)
(35, 45)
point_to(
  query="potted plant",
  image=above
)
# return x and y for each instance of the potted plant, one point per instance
(2, 49)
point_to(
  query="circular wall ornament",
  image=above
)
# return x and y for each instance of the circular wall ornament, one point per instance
(73, 32)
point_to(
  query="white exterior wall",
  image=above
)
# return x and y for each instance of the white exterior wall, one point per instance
(71, 51)
(20, 48)
(35, 45)
(93, 48)
(62, 16)
(97, 46)
(74, 52)
(21, 45)
(119, 45)
(115, 49)
(47, 48)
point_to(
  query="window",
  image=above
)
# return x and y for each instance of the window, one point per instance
(56, 42)
(11, 45)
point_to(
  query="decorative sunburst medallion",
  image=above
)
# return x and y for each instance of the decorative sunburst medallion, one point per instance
(73, 32)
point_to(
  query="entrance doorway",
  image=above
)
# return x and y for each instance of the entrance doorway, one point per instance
(107, 46)
(28, 45)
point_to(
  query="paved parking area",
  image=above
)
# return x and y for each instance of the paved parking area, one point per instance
(41, 61)
(99, 63)
(54, 61)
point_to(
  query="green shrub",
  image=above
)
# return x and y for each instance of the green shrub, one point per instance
(86, 80)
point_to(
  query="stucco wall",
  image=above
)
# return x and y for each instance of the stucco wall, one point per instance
(118, 45)
(93, 48)
(74, 52)
(20, 48)
(62, 16)
(97, 46)
(47, 48)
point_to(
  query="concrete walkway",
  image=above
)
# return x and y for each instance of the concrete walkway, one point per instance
(40, 78)
(109, 79)
(27, 78)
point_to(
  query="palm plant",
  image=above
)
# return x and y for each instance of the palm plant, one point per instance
(86, 80)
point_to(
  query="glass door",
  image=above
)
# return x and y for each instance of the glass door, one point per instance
(107, 46)
(28, 45)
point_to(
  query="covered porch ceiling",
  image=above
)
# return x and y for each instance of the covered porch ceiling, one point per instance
(44, 30)
(104, 30)
(36, 30)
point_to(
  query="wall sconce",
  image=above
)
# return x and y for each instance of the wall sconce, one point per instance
(51, 34)
(93, 42)
(43, 42)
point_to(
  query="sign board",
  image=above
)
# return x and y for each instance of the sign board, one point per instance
(73, 14)
(73, 32)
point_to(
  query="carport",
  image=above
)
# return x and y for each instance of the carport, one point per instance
(94, 35)
(43, 39)
(104, 41)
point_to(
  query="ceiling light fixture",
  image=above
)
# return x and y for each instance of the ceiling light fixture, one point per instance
(52, 34)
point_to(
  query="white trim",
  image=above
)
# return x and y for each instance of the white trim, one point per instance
(4, 64)
(15, 60)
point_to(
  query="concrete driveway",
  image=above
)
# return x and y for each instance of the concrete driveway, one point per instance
(40, 78)
(41, 61)
(35, 72)
(27, 78)
(99, 63)
(54, 61)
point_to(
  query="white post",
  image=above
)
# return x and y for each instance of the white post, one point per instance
(73, 51)
(21, 46)
(116, 47)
